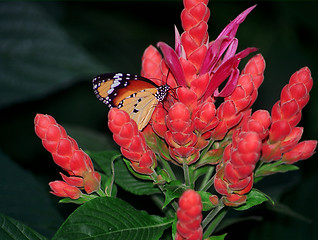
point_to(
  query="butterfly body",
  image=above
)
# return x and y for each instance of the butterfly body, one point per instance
(136, 95)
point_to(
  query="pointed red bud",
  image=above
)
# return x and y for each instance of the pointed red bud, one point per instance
(301, 151)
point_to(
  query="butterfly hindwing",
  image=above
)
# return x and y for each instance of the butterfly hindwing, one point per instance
(136, 95)
(140, 106)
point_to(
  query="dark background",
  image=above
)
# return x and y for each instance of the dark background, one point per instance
(50, 51)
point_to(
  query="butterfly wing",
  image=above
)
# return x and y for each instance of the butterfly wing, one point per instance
(136, 95)
(140, 106)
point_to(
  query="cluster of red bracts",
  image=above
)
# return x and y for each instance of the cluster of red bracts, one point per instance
(189, 216)
(234, 176)
(69, 156)
(132, 142)
(286, 114)
(188, 120)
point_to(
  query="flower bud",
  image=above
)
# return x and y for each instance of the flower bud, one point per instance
(66, 154)
(301, 151)
(62, 189)
(189, 216)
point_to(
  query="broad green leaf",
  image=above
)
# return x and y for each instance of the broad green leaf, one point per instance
(24, 198)
(37, 57)
(12, 229)
(111, 218)
(123, 177)
(272, 168)
(254, 197)
(104, 159)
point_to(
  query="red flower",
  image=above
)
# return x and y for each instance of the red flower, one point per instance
(235, 177)
(286, 114)
(66, 154)
(132, 142)
(189, 216)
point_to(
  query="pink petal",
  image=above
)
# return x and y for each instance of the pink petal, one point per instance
(213, 54)
(222, 42)
(177, 42)
(231, 28)
(224, 71)
(230, 85)
(231, 50)
(172, 62)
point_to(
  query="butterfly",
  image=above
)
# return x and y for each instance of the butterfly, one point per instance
(136, 95)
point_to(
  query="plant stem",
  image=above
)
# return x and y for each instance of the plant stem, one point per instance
(153, 177)
(207, 148)
(218, 214)
(212, 214)
(207, 180)
(186, 174)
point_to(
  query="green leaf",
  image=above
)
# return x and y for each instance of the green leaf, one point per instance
(132, 171)
(254, 197)
(36, 56)
(173, 190)
(75, 201)
(111, 218)
(272, 168)
(25, 199)
(205, 198)
(201, 171)
(104, 159)
(174, 227)
(130, 183)
(13, 229)
(220, 237)
(286, 210)
(123, 177)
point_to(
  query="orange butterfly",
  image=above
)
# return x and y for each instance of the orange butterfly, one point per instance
(136, 95)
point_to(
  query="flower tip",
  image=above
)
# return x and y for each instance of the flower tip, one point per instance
(173, 63)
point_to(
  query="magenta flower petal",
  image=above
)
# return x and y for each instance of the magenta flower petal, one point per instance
(213, 54)
(230, 85)
(173, 63)
(231, 50)
(177, 42)
(222, 42)
(224, 71)
(231, 29)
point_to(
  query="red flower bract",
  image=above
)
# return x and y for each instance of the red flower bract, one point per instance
(189, 216)
(66, 154)
(132, 142)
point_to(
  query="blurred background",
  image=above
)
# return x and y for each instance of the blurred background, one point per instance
(50, 51)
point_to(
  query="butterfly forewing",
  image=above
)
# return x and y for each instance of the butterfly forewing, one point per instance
(136, 95)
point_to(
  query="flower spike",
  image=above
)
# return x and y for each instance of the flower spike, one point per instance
(66, 154)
